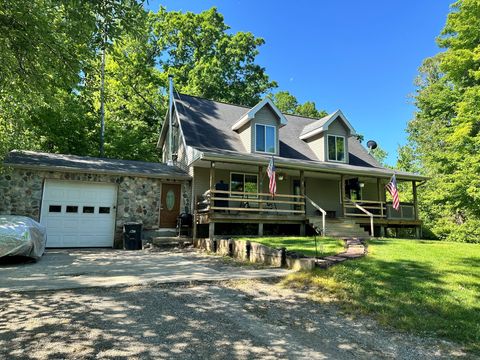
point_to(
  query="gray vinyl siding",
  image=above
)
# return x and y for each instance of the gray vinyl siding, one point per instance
(325, 193)
(370, 191)
(265, 116)
(182, 160)
(336, 128)
(245, 133)
(318, 147)
(319, 143)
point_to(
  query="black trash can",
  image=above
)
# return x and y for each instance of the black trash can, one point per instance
(132, 236)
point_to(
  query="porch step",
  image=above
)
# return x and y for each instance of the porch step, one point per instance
(171, 241)
(339, 227)
(162, 232)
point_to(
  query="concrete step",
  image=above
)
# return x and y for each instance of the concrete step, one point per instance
(165, 241)
(165, 232)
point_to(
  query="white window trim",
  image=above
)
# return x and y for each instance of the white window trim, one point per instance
(265, 139)
(344, 148)
(244, 193)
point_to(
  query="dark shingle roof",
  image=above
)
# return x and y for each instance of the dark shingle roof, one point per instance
(207, 124)
(60, 162)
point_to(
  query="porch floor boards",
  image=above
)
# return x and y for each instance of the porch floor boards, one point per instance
(251, 218)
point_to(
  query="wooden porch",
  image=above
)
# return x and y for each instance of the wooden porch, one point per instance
(256, 207)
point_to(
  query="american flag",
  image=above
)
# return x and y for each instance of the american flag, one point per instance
(272, 186)
(392, 189)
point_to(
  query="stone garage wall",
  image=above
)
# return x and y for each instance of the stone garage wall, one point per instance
(138, 198)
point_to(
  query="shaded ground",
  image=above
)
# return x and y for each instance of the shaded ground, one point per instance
(235, 320)
(81, 268)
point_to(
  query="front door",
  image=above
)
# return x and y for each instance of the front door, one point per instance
(170, 205)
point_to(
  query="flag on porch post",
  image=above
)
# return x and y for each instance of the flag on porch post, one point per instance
(393, 190)
(272, 186)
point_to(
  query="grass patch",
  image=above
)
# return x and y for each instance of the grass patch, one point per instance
(428, 287)
(302, 244)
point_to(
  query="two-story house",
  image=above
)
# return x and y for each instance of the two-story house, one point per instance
(324, 176)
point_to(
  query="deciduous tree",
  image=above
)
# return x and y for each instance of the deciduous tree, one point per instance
(444, 136)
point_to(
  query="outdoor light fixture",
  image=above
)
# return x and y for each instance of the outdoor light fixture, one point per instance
(361, 184)
(280, 177)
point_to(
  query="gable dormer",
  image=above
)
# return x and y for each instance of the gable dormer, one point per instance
(328, 137)
(258, 128)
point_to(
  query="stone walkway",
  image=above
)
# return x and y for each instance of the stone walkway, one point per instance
(354, 249)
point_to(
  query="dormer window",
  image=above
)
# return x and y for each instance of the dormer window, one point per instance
(336, 148)
(265, 139)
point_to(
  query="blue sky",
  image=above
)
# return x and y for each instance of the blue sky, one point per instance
(360, 57)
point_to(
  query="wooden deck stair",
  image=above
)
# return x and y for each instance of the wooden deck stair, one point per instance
(341, 227)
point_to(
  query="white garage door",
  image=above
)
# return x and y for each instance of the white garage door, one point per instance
(78, 214)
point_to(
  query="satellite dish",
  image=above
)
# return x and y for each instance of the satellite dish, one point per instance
(372, 145)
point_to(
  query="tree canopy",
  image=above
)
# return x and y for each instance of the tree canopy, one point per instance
(444, 136)
(51, 72)
(288, 103)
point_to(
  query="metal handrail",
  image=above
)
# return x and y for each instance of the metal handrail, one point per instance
(324, 213)
(368, 213)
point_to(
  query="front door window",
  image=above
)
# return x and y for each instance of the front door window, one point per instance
(170, 199)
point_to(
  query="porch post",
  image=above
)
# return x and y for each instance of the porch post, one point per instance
(260, 229)
(211, 224)
(194, 230)
(380, 196)
(211, 230)
(212, 175)
(415, 204)
(260, 184)
(342, 193)
(418, 229)
(260, 204)
(302, 207)
(302, 189)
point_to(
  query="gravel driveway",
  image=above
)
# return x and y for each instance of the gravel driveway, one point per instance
(247, 319)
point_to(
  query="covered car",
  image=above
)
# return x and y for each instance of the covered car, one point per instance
(21, 236)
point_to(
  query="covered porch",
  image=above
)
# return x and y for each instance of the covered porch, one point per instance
(233, 192)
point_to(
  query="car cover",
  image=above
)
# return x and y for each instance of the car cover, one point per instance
(21, 235)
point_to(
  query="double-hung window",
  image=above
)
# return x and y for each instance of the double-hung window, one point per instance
(244, 183)
(336, 148)
(265, 138)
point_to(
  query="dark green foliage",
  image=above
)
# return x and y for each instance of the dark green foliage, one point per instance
(288, 104)
(444, 136)
(50, 62)
(207, 60)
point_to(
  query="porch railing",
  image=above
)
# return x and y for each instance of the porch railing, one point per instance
(250, 202)
(324, 213)
(406, 211)
(376, 208)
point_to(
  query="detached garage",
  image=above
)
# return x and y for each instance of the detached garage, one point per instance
(84, 201)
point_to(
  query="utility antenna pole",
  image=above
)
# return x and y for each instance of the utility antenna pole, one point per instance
(102, 90)
(170, 120)
(102, 104)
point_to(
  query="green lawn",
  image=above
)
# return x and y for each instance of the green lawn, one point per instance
(429, 287)
(303, 244)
